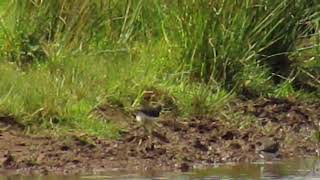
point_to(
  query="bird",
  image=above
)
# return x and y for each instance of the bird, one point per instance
(148, 116)
(270, 151)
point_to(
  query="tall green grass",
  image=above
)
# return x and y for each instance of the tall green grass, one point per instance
(55, 95)
(219, 39)
(70, 56)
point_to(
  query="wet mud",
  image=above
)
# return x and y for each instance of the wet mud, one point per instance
(178, 144)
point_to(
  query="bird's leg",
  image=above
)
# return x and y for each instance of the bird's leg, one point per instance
(141, 137)
(150, 136)
(149, 130)
(146, 131)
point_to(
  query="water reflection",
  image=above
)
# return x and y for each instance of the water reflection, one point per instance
(297, 168)
(291, 169)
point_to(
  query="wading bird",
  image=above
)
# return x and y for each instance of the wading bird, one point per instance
(148, 116)
(270, 151)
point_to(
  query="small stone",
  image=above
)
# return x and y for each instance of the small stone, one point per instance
(184, 167)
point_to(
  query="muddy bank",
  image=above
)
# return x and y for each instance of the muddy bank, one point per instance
(178, 144)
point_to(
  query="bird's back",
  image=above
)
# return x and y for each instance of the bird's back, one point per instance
(151, 111)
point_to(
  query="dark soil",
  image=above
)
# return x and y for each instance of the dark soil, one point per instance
(179, 144)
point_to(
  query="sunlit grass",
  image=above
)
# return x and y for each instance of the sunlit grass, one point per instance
(61, 94)
(61, 59)
(53, 95)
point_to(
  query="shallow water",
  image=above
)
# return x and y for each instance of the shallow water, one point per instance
(308, 168)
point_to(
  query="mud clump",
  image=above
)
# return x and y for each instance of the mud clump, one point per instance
(178, 144)
(8, 122)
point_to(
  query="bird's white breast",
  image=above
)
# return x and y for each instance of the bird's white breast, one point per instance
(139, 118)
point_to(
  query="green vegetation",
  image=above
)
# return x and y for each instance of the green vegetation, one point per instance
(61, 59)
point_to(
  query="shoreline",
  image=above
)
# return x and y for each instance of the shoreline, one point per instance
(198, 141)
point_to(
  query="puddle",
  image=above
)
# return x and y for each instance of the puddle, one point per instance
(308, 168)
